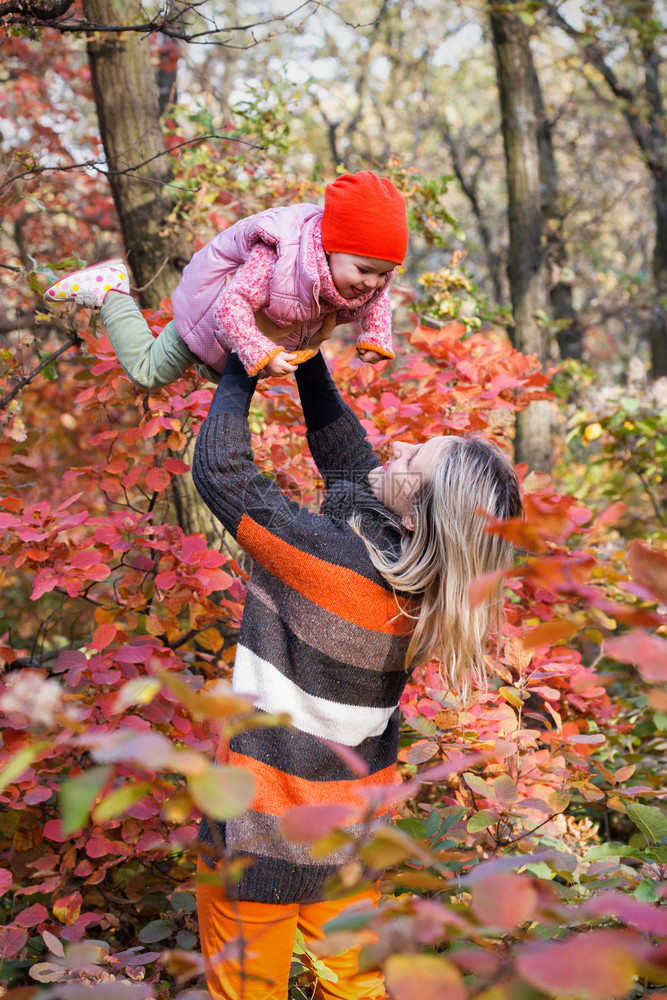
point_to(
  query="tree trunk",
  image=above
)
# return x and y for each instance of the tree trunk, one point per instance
(658, 327)
(569, 330)
(643, 110)
(128, 110)
(515, 74)
(127, 100)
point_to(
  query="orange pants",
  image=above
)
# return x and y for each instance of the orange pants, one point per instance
(268, 931)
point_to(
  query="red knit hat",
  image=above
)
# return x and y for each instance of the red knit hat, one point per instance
(365, 214)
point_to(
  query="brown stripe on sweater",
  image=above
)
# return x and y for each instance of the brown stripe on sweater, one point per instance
(265, 634)
(333, 636)
(260, 833)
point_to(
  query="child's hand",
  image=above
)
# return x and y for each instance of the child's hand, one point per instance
(370, 357)
(279, 365)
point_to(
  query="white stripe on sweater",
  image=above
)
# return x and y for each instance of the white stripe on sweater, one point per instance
(273, 692)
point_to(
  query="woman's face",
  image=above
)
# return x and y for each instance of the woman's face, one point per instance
(411, 466)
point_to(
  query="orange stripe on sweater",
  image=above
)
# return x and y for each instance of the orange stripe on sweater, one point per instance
(278, 792)
(341, 591)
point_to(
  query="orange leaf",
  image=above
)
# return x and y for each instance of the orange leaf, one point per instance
(483, 586)
(548, 634)
(104, 635)
(15, 504)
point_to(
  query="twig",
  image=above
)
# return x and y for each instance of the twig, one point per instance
(98, 165)
(156, 275)
(5, 400)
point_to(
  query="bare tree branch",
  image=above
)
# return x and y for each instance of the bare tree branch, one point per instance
(102, 166)
(35, 15)
(27, 379)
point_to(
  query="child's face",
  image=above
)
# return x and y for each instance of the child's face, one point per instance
(354, 276)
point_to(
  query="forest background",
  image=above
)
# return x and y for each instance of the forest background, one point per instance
(528, 856)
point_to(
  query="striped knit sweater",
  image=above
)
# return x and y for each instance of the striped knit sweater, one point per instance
(320, 637)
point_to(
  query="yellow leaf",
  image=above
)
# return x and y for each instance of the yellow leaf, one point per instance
(218, 702)
(591, 432)
(138, 691)
(178, 807)
(512, 695)
(210, 639)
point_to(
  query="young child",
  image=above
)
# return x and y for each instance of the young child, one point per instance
(271, 285)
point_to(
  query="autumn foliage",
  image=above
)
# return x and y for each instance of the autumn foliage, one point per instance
(528, 856)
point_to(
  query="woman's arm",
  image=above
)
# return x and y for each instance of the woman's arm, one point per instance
(336, 439)
(275, 531)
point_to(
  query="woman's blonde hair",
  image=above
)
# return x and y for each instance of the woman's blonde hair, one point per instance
(447, 549)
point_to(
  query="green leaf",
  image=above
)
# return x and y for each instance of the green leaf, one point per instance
(119, 800)
(432, 825)
(20, 762)
(482, 820)
(186, 939)
(78, 794)
(647, 891)
(184, 901)
(651, 821)
(426, 727)
(601, 851)
(156, 930)
(478, 785)
(413, 827)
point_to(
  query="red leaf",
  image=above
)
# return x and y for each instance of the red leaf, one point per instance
(14, 504)
(12, 940)
(32, 915)
(649, 567)
(594, 966)
(648, 652)
(504, 901)
(135, 653)
(176, 466)
(5, 880)
(645, 916)
(157, 479)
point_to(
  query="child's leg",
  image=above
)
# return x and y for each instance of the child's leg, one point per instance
(268, 931)
(149, 361)
(351, 985)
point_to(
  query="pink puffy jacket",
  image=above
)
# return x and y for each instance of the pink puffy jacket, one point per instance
(295, 287)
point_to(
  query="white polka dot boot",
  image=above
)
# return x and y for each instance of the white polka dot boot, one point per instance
(89, 286)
